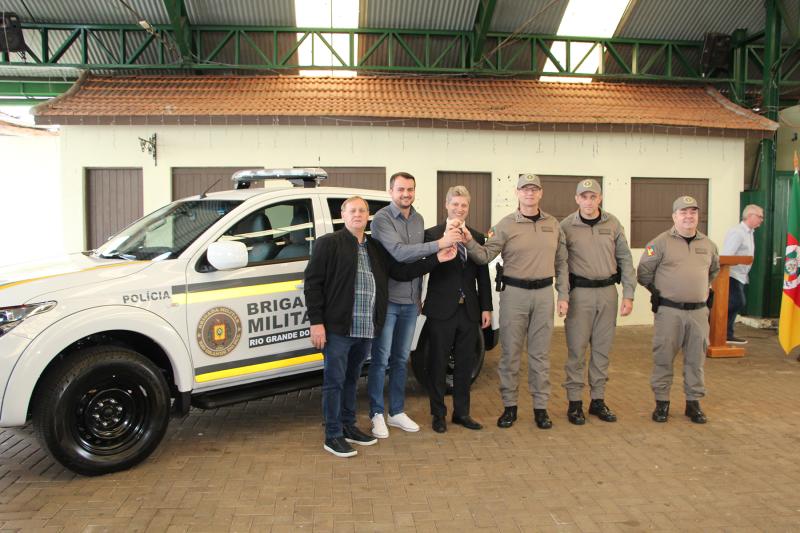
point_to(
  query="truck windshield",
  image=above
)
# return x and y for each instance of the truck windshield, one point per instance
(165, 233)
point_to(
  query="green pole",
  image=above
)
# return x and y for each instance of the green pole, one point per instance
(762, 302)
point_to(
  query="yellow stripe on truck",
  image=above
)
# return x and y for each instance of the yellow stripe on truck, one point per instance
(22, 281)
(235, 292)
(261, 367)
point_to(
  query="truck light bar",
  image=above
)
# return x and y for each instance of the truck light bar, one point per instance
(299, 177)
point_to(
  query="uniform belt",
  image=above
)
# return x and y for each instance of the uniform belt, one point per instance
(528, 283)
(678, 305)
(578, 281)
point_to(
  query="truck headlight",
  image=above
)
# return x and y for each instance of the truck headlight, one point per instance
(11, 317)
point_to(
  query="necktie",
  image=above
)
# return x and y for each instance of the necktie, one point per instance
(462, 252)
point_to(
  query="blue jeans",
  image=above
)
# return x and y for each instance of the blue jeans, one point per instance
(344, 357)
(736, 302)
(391, 349)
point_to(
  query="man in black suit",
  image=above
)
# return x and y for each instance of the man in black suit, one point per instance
(457, 305)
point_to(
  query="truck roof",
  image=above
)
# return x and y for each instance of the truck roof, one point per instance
(246, 194)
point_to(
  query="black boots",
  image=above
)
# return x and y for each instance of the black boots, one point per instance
(661, 412)
(542, 419)
(599, 408)
(694, 412)
(508, 417)
(575, 413)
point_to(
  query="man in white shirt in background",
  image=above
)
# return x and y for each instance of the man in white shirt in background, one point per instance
(739, 241)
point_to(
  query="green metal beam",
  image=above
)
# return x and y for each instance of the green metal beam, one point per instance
(483, 20)
(21, 101)
(766, 274)
(33, 88)
(236, 48)
(182, 31)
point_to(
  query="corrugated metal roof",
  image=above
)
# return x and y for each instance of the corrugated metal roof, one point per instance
(53, 73)
(690, 20)
(88, 12)
(528, 16)
(419, 14)
(242, 12)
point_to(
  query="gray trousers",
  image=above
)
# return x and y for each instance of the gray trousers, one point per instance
(526, 314)
(592, 318)
(679, 330)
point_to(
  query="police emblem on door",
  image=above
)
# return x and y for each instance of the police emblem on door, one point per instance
(219, 331)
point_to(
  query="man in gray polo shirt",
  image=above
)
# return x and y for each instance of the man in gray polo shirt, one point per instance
(739, 241)
(401, 230)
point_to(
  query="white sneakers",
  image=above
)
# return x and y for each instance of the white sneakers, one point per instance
(402, 421)
(379, 428)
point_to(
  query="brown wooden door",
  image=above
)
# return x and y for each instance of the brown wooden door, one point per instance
(114, 199)
(479, 185)
(373, 178)
(189, 181)
(559, 194)
(651, 205)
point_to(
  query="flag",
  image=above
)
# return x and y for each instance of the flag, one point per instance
(789, 324)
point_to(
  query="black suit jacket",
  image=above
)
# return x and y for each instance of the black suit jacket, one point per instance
(441, 301)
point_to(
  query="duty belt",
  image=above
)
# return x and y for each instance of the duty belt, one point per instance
(578, 281)
(528, 283)
(678, 305)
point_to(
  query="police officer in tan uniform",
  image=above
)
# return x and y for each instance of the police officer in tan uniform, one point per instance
(598, 257)
(677, 267)
(534, 252)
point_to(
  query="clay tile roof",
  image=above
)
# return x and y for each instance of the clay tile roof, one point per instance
(10, 129)
(483, 100)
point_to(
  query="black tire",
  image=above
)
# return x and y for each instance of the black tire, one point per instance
(102, 410)
(419, 360)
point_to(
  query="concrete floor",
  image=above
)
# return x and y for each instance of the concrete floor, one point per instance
(260, 466)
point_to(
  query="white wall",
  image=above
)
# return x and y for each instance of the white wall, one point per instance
(615, 156)
(30, 202)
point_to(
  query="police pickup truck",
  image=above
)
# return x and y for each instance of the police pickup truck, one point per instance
(199, 303)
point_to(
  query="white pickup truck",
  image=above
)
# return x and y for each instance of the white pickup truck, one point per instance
(199, 303)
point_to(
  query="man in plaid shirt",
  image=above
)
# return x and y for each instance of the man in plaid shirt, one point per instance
(346, 290)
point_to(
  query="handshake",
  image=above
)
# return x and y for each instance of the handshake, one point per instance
(455, 232)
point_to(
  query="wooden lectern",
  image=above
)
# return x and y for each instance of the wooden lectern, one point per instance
(719, 311)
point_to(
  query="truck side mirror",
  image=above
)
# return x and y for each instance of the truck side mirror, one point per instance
(227, 255)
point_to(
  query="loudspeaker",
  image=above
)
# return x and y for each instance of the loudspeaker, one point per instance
(716, 53)
(11, 39)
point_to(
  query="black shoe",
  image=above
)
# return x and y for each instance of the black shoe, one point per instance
(439, 424)
(467, 421)
(575, 413)
(354, 435)
(661, 412)
(508, 417)
(339, 447)
(694, 412)
(542, 419)
(735, 340)
(599, 408)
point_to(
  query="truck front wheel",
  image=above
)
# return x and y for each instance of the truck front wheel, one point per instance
(101, 410)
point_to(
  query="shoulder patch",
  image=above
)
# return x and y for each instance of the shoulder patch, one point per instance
(491, 232)
(650, 251)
